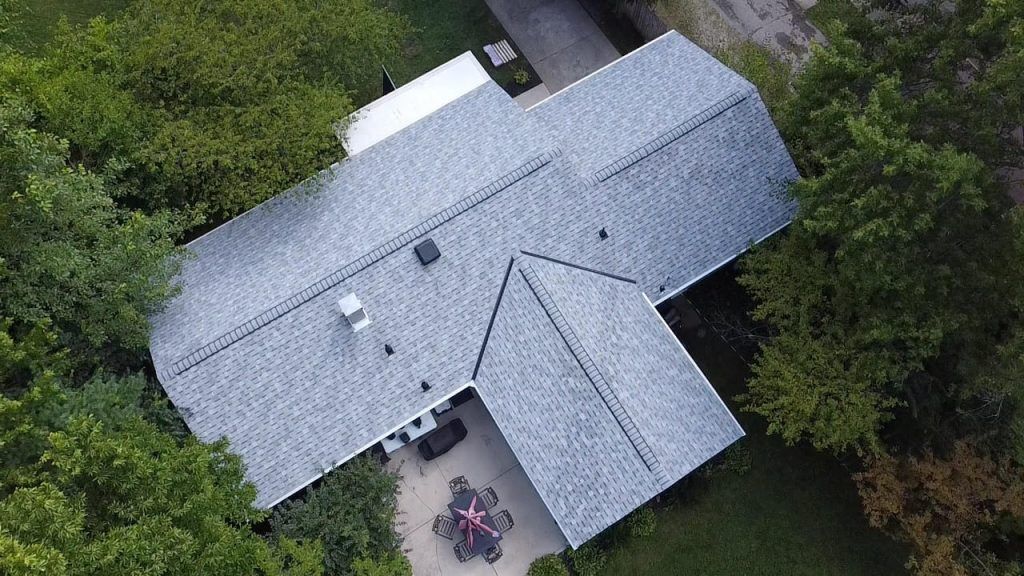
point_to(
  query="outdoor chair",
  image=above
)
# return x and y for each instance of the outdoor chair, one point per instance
(444, 526)
(492, 554)
(458, 485)
(503, 521)
(489, 496)
(463, 552)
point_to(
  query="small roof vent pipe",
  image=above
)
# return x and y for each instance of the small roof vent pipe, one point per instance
(353, 310)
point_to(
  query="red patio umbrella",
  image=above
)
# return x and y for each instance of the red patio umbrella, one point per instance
(472, 519)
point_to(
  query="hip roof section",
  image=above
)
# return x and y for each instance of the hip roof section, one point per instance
(599, 402)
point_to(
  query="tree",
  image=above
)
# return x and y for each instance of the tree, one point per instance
(900, 265)
(353, 513)
(69, 256)
(216, 104)
(960, 63)
(948, 509)
(133, 501)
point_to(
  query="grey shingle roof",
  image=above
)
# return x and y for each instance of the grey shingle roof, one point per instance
(255, 349)
(597, 399)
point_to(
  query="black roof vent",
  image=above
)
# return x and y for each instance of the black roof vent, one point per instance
(424, 385)
(602, 233)
(427, 251)
(388, 349)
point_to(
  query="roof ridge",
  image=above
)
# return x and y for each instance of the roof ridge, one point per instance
(578, 267)
(673, 134)
(294, 301)
(604, 390)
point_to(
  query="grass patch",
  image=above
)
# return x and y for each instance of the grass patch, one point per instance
(447, 28)
(794, 512)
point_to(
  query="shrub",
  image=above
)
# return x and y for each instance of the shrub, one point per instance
(736, 459)
(548, 565)
(521, 76)
(393, 564)
(588, 560)
(641, 523)
(352, 513)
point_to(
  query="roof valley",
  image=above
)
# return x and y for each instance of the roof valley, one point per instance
(605, 391)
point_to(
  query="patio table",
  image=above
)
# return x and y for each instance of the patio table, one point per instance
(481, 540)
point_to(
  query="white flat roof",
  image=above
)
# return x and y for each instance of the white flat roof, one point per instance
(392, 112)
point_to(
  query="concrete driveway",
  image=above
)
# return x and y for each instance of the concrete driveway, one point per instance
(558, 37)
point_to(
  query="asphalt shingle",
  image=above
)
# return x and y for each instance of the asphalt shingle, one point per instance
(602, 407)
(255, 348)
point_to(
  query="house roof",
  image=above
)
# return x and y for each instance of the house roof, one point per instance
(255, 348)
(633, 413)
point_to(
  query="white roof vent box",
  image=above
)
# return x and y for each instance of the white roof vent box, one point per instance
(353, 310)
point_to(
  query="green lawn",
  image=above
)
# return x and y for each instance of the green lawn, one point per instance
(794, 513)
(40, 18)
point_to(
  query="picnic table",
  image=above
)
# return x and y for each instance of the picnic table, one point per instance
(481, 532)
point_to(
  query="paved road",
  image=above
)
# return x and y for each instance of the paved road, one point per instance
(558, 37)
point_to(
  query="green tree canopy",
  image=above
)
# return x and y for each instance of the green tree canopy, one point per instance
(960, 64)
(68, 254)
(90, 488)
(898, 273)
(218, 104)
(132, 502)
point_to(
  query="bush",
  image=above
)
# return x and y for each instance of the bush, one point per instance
(393, 564)
(521, 76)
(588, 560)
(548, 565)
(352, 513)
(736, 459)
(641, 523)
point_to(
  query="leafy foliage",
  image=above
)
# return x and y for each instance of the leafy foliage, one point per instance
(352, 513)
(548, 565)
(896, 295)
(68, 254)
(641, 522)
(948, 509)
(391, 564)
(902, 252)
(736, 459)
(129, 501)
(118, 139)
(219, 104)
(588, 560)
(959, 63)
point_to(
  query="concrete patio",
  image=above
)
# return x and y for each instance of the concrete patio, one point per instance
(558, 37)
(485, 459)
